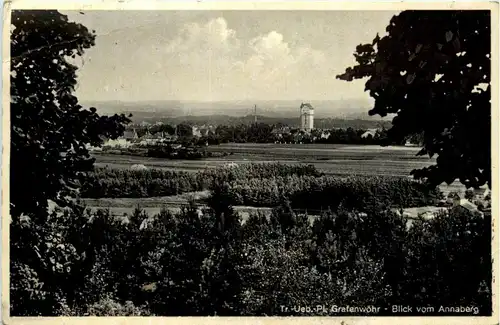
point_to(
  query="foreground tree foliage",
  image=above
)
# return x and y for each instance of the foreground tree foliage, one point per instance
(49, 130)
(210, 263)
(427, 71)
(49, 135)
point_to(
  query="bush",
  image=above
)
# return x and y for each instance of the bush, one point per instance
(469, 195)
(108, 306)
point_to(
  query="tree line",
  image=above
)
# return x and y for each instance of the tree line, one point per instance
(272, 133)
(329, 192)
(106, 182)
(264, 185)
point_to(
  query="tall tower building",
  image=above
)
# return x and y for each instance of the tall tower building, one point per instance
(306, 117)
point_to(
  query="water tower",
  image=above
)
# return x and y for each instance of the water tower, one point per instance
(306, 117)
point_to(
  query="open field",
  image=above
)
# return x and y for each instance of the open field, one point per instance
(314, 149)
(330, 159)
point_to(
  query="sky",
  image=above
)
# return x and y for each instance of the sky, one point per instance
(223, 55)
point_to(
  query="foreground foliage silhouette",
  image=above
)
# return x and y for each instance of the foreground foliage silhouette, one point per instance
(49, 130)
(49, 134)
(433, 71)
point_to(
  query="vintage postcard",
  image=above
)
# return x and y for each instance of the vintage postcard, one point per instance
(250, 162)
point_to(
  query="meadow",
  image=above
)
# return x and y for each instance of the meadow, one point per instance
(328, 158)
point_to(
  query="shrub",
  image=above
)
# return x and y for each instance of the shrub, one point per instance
(469, 195)
(108, 306)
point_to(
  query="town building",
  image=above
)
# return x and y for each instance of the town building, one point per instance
(325, 134)
(170, 138)
(196, 131)
(369, 132)
(409, 144)
(281, 130)
(130, 135)
(306, 117)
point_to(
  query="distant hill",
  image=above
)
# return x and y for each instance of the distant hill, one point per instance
(328, 114)
(321, 123)
(345, 109)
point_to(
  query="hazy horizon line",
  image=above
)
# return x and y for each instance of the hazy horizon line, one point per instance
(218, 101)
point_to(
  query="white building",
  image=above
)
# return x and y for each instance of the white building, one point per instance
(306, 117)
(325, 134)
(369, 132)
(196, 132)
(118, 143)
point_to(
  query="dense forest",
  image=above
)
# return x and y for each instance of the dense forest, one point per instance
(264, 185)
(104, 182)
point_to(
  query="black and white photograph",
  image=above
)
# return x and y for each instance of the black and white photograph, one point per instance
(251, 162)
